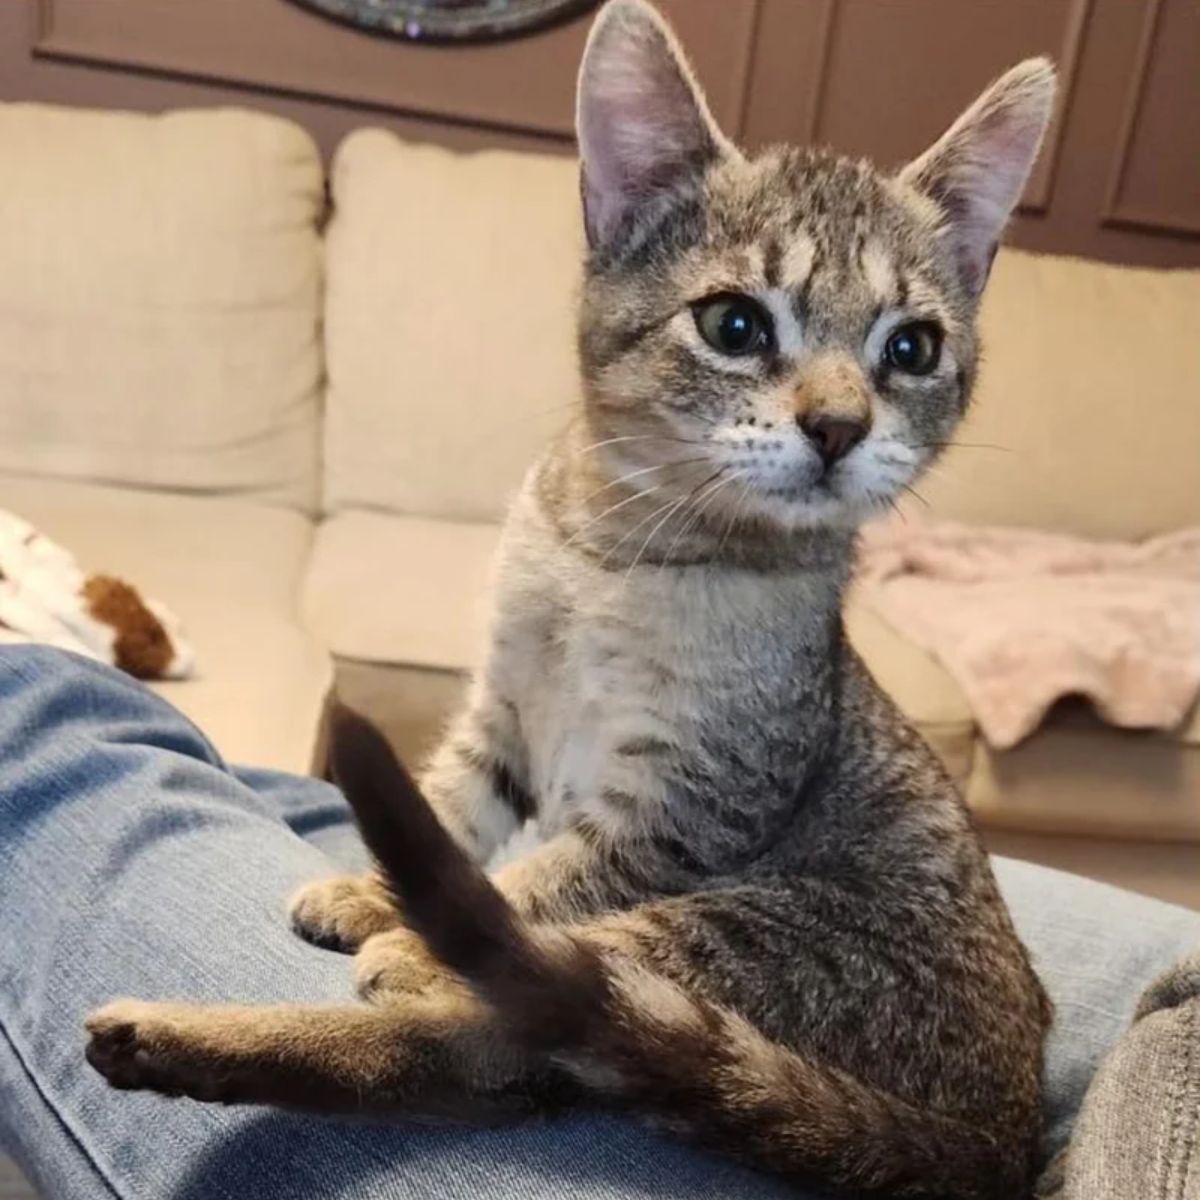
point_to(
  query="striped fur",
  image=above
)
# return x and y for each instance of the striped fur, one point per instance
(751, 906)
(630, 1035)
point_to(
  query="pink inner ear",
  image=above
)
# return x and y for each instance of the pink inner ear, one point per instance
(991, 189)
(977, 171)
(641, 121)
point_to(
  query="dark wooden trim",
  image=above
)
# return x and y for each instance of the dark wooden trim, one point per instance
(816, 96)
(1116, 214)
(1041, 184)
(749, 58)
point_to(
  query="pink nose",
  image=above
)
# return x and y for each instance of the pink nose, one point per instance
(832, 437)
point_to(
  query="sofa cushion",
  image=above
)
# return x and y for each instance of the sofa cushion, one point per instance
(450, 323)
(405, 590)
(1087, 414)
(1079, 776)
(922, 688)
(159, 300)
(231, 569)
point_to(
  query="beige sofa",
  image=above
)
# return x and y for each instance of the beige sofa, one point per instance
(302, 437)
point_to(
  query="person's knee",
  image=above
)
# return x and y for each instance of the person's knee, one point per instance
(29, 662)
(44, 691)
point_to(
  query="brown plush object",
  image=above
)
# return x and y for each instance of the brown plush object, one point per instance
(143, 646)
(47, 599)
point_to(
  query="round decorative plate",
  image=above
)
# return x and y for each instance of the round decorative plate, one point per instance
(448, 20)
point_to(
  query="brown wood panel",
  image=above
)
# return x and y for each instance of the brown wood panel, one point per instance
(790, 60)
(872, 78)
(883, 77)
(1120, 179)
(53, 81)
(883, 90)
(1155, 182)
(527, 84)
(1076, 222)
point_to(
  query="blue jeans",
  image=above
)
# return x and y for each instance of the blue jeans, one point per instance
(133, 861)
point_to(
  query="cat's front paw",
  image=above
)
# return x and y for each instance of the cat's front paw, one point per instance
(340, 914)
(397, 963)
(136, 1045)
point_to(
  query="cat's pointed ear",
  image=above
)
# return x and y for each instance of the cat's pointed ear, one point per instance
(642, 121)
(977, 170)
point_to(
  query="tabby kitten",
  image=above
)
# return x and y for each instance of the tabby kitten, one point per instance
(758, 914)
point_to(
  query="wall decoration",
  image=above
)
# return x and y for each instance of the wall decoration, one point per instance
(448, 20)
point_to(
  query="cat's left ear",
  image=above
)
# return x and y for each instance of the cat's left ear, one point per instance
(977, 170)
(642, 121)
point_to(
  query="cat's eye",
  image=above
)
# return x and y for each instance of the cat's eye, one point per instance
(914, 348)
(734, 325)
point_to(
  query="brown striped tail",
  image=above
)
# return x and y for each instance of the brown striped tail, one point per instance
(634, 1037)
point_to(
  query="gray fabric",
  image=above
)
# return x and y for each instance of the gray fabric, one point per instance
(1137, 1136)
(1096, 948)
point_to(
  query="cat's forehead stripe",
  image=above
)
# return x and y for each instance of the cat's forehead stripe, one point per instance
(879, 271)
(798, 261)
(772, 262)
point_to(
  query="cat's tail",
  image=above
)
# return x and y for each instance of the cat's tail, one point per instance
(628, 1035)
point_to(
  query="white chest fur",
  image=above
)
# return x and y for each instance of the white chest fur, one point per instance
(598, 663)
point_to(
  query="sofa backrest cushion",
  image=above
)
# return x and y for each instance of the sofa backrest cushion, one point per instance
(450, 323)
(1086, 418)
(160, 300)
(452, 283)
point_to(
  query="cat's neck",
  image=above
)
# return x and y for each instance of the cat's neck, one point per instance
(621, 519)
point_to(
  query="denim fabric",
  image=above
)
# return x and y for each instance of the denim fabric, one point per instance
(133, 861)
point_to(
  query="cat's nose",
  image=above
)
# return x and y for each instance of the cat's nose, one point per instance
(832, 437)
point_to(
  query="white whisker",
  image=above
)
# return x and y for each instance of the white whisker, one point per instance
(637, 558)
(702, 502)
(630, 532)
(679, 462)
(637, 437)
(609, 511)
(737, 513)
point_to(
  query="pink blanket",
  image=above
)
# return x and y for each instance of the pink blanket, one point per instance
(1021, 618)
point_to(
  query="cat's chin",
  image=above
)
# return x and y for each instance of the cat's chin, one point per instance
(824, 504)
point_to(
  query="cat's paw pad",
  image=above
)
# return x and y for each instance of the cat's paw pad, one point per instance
(397, 963)
(132, 1044)
(340, 914)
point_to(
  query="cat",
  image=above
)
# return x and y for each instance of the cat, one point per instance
(758, 914)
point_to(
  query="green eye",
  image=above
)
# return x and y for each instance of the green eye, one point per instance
(734, 325)
(914, 349)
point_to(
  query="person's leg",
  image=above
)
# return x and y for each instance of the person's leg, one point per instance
(1096, 949)
(313, 810)
(132, 862)
(1138, 1132)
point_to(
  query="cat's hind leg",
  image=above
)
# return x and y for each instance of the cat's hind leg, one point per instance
(435, 1055)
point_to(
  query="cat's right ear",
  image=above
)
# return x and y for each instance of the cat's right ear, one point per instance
(977, 170)
(642, 121)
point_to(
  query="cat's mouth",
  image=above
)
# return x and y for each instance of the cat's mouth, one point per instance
(839, 494)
